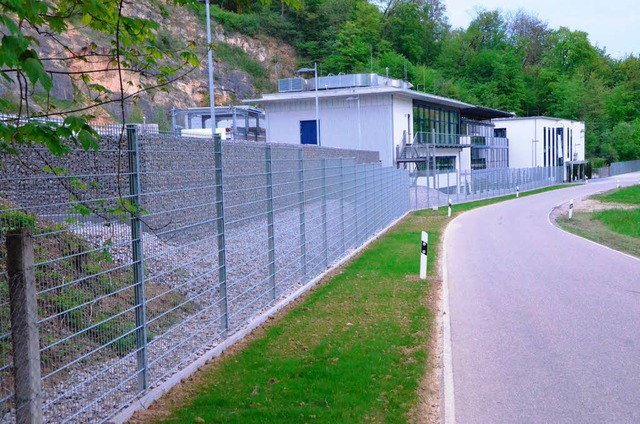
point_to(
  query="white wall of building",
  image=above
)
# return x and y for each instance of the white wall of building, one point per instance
(449, 179)
(527, 140)
(339, 123)
(402, 121)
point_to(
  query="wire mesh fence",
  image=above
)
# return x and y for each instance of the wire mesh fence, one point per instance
(436, 187)
(619, 168)
(154, 249)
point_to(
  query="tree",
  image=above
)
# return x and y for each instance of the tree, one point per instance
(35, 55)
(416, 29)
(529, 35)
(356, 40)
(622, 142)
(487, 31)
(571, 51)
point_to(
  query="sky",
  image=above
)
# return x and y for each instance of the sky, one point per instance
(613, 24)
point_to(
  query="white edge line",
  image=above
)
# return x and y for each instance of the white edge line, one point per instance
(557, 227)
(447, 356)
(145, 401)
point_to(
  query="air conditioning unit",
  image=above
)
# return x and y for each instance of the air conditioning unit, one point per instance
(291, 84)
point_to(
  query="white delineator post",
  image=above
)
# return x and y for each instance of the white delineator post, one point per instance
(570, 208)
(517, 191)
(449, 212)
(617, 183)
(424, 247)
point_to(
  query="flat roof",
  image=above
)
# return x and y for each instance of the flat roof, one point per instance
(467, 110)
(207, 109)
(528, 118)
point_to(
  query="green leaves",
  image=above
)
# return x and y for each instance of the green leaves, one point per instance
(122, 39)
(32, 67)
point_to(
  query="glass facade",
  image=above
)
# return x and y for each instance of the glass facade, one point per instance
(428, 118)
(489, 146)
(444, 127)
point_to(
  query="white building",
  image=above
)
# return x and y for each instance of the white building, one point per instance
(544, 142)
(372, 112)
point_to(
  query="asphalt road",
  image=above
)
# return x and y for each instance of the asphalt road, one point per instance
(545, 326)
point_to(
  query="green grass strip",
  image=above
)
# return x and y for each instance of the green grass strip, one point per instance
(627, 195)
(584, 225)
(353, 351)
(621, 221)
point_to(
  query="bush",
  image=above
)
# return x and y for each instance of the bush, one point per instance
(598, 162)
(11, 220)
(245, 24)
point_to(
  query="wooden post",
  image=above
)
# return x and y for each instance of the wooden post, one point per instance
(24, 326)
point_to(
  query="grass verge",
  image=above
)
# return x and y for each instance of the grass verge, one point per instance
(354, 350)
(616, 228)
(627, 195)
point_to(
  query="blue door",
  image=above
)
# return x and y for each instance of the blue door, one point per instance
(308, 134)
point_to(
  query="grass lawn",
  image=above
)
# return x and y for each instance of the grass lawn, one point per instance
(628, 195)
(354, 350)
(616, 228)
(621, 221)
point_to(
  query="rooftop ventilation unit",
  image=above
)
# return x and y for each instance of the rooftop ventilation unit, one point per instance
(291, 84)
(356, 80)
(343, 81)
(332, 82)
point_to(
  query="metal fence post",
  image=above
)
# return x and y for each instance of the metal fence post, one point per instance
(138, 257)
(222, 260)
(428, 184)
(24, 326)
(367, 209)
(344, 248)
(270, 238)
(355, 205)
(323, 166)
(303, 240)
(415, 189)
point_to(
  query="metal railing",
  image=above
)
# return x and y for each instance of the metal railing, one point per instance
(435, 187)
(439, 139)
(155, 249)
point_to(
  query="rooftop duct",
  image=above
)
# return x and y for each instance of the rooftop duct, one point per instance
(332, 82)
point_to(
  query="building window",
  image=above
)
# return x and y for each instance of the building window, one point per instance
(500, 132)
(477, 140)
(544, 151)
(444, 163)
(480, 163)
(429, 118)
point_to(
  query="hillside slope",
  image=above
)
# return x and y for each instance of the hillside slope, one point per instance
(244, 66)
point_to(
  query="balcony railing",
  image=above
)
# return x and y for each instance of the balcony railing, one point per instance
(425, 144)
(440, 139)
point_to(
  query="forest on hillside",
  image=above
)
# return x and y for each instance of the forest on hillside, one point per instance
(508, 61)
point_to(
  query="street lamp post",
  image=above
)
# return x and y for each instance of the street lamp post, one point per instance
(315, 73)
(212, 98)
(357, 99)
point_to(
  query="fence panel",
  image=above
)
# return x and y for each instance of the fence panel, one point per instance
(154, 249)
(619, 168)
(435, 187)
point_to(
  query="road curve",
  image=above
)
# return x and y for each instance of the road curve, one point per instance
(545, 326)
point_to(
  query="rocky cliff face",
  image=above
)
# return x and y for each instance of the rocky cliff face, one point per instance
(179, 28)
